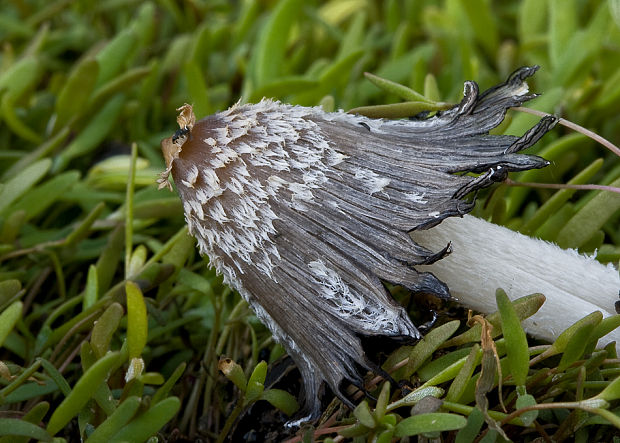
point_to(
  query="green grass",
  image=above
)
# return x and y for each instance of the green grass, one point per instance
(98, 276)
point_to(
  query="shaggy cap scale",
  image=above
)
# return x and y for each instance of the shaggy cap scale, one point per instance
(306, 213)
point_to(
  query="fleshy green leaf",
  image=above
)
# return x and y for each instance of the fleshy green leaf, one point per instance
(399, 110)
(397, 89)
(563, 340)
(137, 321)
(91, 292)
(283, 87)
(197, 88)
(365, 416)
(148, 423)
(576, 346)
(38, 200)
(115, 422)
(273, 40)
(113, 56)
(83, 391)
(559, 198)
(16, 427)
(461, 380)
(256, 382)
(470, 431)
(164, 390)
(525, 400)
(415, 396)
(89, 138)
(611, 391)
(382, 401)
(357, 430)
(432, 422)
(606, 325)
(104, 329)
(589, 219)
(431, 90)
(8, 318)
(429, 344)
(516, 341)
(282, 400)
(60, 381)
(21, 183)
(74, 95)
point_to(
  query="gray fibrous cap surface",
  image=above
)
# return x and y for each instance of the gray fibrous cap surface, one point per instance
(306, 213)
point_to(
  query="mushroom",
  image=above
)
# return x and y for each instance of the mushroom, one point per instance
(306, 214)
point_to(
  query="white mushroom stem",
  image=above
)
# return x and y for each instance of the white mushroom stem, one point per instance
(487, 256)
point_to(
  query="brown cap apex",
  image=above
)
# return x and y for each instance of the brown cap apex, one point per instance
(171, 146)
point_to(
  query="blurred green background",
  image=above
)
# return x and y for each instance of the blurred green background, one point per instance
(89, 88)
